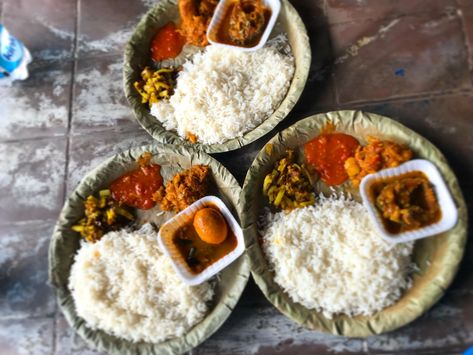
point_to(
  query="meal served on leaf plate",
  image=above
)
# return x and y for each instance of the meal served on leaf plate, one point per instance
(121, 280)
(319, 241)
(210, 94)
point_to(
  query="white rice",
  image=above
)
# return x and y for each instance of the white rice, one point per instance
(223, 93)
(124, 285)
(328, 257)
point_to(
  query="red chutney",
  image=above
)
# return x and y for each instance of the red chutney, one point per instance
(136, 188)
(167, 43)
(327, 154)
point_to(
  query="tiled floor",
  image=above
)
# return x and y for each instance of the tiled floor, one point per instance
(411, 60)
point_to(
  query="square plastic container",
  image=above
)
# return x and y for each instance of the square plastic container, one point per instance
(444, 198)
(168, 229)
(221, 9)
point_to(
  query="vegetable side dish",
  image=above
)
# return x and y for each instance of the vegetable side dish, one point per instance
(184, 189)
(204, 239)
(376, 155)
(195, 17)
(243, 23)
(156, 85)
(406, 202)
(102, 214)
(288, 185)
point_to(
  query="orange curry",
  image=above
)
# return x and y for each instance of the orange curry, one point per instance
(137, 187)
(167, 43)
(327, 154)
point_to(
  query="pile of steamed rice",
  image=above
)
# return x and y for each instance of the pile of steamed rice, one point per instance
(222, 93)
(328, 257)
(124, 285)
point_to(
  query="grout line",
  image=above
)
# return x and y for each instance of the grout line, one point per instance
(68, 143)
(336, 94)
(408, 98)
(389, 17)
(465, 39)
(26, 317)
(71, 97)
(54, 337)
(33, 139)
(325, 9)
(28, 222)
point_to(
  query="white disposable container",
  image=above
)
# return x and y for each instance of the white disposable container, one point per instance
(167, 231)
(220, 11)
(444, 198)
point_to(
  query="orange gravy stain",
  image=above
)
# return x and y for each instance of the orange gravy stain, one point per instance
(167, 43)
(136, 188)
(327, 154)
(198, 254)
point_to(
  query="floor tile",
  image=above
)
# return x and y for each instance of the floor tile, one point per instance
(31, 179)
(99, 101)
(88, 151)
(105, 26)
(46, 27)
(37, 106)
(24, 291)
(399, 57)
(68, 342)
(318, 91)
(27, 336)
(355, 10)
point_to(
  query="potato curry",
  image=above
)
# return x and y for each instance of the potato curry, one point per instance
(406, 202)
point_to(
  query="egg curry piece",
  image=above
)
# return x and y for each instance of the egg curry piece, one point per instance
(210, 225)
(204, 239)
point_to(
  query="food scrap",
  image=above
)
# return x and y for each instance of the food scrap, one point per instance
(243, 23)
(406, 202)
(198, 252)
(136, 188)
(184, 189)
(156, 85)
(288, 185)
(376, 155)
(102, 215)
(195, 17)
(167, 43)
(328, 152)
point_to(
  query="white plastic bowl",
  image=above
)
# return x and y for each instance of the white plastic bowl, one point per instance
(220, 10)
(444, 198)
(168, 229)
